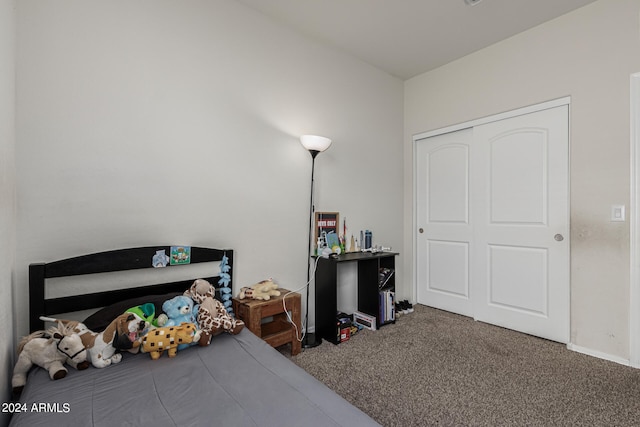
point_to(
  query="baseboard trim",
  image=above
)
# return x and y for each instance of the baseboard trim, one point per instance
(598, 354)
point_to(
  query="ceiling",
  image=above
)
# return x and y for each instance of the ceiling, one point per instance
(409, 37)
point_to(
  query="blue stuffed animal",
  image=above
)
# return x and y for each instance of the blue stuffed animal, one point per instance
(180, 309)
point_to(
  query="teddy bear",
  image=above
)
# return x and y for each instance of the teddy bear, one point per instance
(212, 316)
(180, 309)
(263, 290)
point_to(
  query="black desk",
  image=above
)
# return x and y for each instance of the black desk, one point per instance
(326, 278)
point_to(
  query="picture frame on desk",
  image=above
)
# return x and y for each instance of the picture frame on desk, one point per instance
(325, 222)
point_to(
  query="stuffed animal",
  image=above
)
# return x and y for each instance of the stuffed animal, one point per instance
(123, 333)
(263, 290)
(213, 317)
(169, 338)
(146, 312)
(180, 309)
(50, 350)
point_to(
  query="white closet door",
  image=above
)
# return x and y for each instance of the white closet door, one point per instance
(444, 217)
(521, 273)
(492, 218)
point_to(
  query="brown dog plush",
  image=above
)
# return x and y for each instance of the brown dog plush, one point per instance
(123, 333)
(213, 317)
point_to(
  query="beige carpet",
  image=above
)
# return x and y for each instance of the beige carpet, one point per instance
(437, 368)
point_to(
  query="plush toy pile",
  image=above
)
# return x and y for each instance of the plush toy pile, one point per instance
(189, 319)
(103, 348)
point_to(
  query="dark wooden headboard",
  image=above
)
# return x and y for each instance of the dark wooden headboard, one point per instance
(105, 262)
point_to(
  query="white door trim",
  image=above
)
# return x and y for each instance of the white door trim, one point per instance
(494, 118)
(488, 119)
(634, 286)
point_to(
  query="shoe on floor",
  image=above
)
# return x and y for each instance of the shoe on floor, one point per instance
(398, 308)
(407, 306)
(403, 307)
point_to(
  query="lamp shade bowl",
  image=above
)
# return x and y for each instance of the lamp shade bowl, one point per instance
(315, 142)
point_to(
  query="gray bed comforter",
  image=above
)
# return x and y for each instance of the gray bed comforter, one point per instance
(236, 381)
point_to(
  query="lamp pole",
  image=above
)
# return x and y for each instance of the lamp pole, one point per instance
(310, 340)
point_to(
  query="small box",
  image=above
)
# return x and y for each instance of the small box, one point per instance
(365, 320)
(345, 333)
(343, 327)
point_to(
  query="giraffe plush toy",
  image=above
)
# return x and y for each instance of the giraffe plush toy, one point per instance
(213, 318)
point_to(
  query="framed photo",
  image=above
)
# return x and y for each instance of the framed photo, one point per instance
(326, 222)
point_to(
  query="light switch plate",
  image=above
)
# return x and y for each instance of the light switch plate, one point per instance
(617, 213)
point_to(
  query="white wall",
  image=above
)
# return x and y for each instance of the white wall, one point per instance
(589, 55)
(164, 122)
(7, 194)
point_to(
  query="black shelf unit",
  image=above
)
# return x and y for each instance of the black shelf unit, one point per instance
(326, 278)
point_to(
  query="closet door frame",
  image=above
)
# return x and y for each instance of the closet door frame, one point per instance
(634, 286)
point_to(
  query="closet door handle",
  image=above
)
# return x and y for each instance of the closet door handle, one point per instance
(558, 237)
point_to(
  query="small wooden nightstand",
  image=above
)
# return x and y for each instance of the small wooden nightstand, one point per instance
(279, 331)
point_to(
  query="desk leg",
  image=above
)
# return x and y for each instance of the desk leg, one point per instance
(326, 294)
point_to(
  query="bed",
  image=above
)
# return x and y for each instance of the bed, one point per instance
(238, 380)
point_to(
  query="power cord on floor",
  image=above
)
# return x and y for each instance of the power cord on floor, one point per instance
(284, 303)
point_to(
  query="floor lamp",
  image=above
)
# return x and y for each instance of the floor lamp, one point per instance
(315, 145)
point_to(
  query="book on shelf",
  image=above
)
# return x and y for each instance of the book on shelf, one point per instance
(386, 306)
